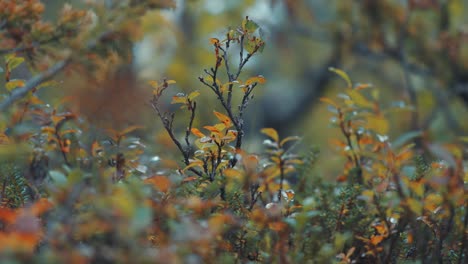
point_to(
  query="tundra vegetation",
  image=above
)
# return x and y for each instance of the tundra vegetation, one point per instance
(85, 179)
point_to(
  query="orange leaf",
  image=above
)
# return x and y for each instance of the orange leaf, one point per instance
(7, 215)
(96, 149)
(160, 182)
(130, 129)
(197, 132)
(277, 226)
(375, 240)
(214, 41)
(256, 79)
(329, 101)
(41, 206)
(223, 118)
(189, 179)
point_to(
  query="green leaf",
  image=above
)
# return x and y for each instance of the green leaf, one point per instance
(14, 62)
(249, 26)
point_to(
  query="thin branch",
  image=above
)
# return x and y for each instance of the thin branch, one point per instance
(33, 83)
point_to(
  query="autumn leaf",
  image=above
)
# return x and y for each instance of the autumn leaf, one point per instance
(270, 132)
(197, 132)
(13, 84)
(257, 79)
(343, 75)
(249, 26)
(160, 182)
(13, 61)
(223, 118)
(214, 41)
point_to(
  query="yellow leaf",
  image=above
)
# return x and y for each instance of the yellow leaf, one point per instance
(194, 163)
(414, 205)
(13, 84)
(193, 95)
(14, 61)
(291, 138)
(153, 84)
(232, 173)
(358, 99)
(170, 81)
(270, 132)
(48, 130)
(129, 130)
(378, 123)
(329, 101)
(343, 75)
(432, 201)
(179, 99)
(50, 83)
(225, 86)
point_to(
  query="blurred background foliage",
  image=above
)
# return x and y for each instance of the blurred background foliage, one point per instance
(92, 129)
(414, 51)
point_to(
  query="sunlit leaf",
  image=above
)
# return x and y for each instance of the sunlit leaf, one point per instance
(343, 75)
(232, 173)
(13, 84)
(214, 41)
(197, 132)
(96, 149)
(329, 101)
(130, 129)
(358, 99)
(288, 139)
(154, 84)
(378, 123)
(51, 83)
(223, 118)
(179, 99)
(270, 132)
(14, 62)
(415, 205)
(193, 95)
(256, 79)
(190, 179)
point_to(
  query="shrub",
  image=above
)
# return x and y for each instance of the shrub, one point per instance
(66, 197)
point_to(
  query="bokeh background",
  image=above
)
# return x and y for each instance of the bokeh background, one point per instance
(414, 51)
